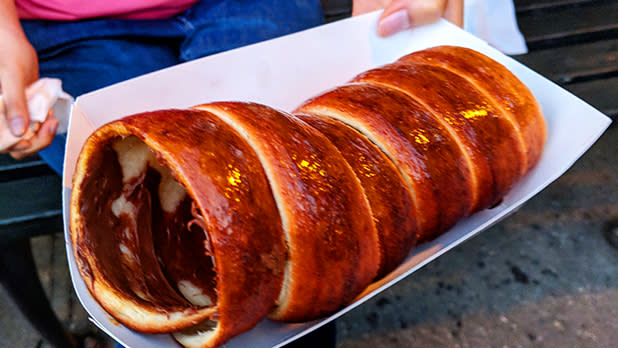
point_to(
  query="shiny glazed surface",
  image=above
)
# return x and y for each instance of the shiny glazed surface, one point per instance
(294, 215)
(388, 197)
(499, 84)
(223, 177)
(423, 150)
(488, 136)
(332, 242)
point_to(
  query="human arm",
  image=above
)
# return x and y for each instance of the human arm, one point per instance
(18, 69)
(399, 15)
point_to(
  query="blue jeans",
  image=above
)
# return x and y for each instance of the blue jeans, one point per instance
(91, 54)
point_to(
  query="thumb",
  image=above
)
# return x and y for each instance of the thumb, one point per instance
(400, 15)
(15, 106)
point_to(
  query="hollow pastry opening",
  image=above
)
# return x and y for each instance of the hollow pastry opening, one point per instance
(145, 232)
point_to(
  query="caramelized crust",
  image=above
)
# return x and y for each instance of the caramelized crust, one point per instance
(233, 211)
(499, 84)
(428, 158)
(388, 196)
(332, 242)
(224, 178)
(487, 135)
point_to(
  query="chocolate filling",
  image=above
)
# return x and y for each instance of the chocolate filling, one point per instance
(156, 257)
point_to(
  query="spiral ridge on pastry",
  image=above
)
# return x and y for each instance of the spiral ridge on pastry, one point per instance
(201, 222)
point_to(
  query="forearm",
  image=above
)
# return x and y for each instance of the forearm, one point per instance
(18, 68)
(9, 20)
(13, 41)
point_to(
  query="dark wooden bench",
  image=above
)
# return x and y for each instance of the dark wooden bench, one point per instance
(575, 44)
(30, 205)
(572, 42)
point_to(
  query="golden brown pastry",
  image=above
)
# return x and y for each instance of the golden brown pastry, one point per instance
(427, 155)
(498, 83)
(201, 222)
(388, 196)
(173, 224)
(333, 248)
(489, 138)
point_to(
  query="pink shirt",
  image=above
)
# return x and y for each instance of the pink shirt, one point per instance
(68, 10)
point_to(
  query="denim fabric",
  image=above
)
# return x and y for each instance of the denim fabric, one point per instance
(53, 155)
(91, 54)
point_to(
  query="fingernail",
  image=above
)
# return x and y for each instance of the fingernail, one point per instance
(17, 127)
(394, 23)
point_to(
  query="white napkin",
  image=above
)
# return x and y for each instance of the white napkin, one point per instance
(495, 22)
(42, 96)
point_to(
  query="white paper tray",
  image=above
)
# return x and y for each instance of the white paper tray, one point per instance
(286, 71)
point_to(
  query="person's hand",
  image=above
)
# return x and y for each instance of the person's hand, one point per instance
(19, 68)
(39, 137)
(400, 15)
